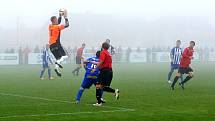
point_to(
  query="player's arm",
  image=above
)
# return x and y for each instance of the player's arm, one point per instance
(185, 54)
(66, 22)
(171, 54)
(59, 19)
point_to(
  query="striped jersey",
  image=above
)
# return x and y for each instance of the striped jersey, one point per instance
(46, 57)
(176, 54)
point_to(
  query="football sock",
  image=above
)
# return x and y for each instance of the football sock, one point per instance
(80, 92)
(98, 95)
(42, 73)
(108, 89)
(56, 66)
(175, 80)
(182, 79)
(186, 79)
(170, 74)
(49, 72)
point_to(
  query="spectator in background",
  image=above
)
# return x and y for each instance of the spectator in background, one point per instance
(36, 49)
(20, 55)
(25, 53)
(128, 51)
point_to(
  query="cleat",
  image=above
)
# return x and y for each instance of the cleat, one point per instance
(103, 101)
(42, 78)
(77, 102)
(182, 85)
(117, 94)
(98, 104)
(59, 65)
(170, 82)
(58, 73)
(51, 78)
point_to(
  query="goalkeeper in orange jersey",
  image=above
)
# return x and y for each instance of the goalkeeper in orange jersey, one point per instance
(54, 39)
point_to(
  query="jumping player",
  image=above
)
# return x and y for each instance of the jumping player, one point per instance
(54, 40)
(89, 78)
(184, 67)
(175, 56)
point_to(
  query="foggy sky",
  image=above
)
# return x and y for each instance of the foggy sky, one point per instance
(34, 15)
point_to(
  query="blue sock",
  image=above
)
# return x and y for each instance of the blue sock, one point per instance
(79, 94)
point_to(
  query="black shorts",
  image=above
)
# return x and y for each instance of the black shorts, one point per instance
(78, 60)
(187, 70)
(105, 77)
(57, 50)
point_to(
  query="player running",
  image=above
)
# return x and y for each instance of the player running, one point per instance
(175, 56)
(89, 78)
(54, 40)
(79, 57)
(46, 58)
(106, 74)
(184, 67)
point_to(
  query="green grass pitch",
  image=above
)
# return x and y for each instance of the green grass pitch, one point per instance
(145, 95)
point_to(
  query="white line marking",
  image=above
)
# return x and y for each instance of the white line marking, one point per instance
(55, 100)
(58, 114)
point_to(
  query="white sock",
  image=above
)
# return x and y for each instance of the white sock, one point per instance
(56, 66)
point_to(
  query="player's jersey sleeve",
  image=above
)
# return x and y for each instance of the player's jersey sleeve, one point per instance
(61, 27)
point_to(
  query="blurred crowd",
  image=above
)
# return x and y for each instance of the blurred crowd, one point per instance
(121, 53)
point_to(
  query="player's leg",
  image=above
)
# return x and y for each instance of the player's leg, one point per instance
(170, 74)
(77, 69)
(189, 76)
(107, 82)
(55, 51)
(79, 95)
(63, 55)
(49, 73)
(178, 75)
(42, 73)
(86, 84)
(99, 89)
(98, 95)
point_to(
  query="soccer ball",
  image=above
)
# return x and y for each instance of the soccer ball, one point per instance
(63, 12)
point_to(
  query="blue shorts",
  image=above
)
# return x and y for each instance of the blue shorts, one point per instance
(88, 82)
(174, 66)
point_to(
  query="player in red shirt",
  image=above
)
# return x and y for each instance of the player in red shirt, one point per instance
(106, 75)
(184, 67)
(79, 57)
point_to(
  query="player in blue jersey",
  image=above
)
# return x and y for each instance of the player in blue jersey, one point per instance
(46, 58)
(175, 56)
(90, 77)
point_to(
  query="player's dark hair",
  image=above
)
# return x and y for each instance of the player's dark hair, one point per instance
(98, 53)
(178, 41)
(52, 18)
(193, 42)
(105, 46)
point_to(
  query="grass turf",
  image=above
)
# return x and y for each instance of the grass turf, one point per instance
(143, 88)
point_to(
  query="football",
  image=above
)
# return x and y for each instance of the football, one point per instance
(62, 12)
